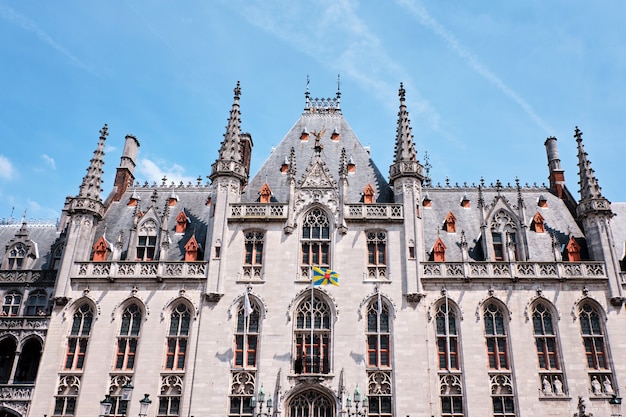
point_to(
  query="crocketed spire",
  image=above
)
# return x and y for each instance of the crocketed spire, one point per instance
(88, 199)
(230, 161)
(91, 186)
(405, 158)
(591, 199)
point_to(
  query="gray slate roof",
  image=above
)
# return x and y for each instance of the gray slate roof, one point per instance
(366, 170)
(119, 216)
(557, 219)
(44, 235)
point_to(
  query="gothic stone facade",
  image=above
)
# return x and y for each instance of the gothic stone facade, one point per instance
(474, 300)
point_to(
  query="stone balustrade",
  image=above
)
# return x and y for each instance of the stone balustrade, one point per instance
(375, 212)
(514, 270)
(157, 270)
(266, 211)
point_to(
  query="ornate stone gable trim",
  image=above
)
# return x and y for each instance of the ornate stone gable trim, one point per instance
(86, 297)
(132, 299)
(234, 305)
(442, 299)
(491, 297)
(534, 300)
(586, 297)
(384, 298)
(305, 292)
(182, 296)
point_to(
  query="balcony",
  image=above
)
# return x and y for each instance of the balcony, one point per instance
(514, 270)
(258, 211)
(148, 270)
(377, 212)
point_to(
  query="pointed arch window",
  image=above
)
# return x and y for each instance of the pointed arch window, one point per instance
(504, 238)
(311, 403)
(12, 303)
(170, 395)
(594, 341)
(312, 336)
(17, 255)
(241, 392)
(315, 239)
(28, 364)
(247, 334)
(79, 337)
(67, 394)
(128, 338)
(450, 376)
(548, 356)
(8, 346)
(378, 335)
(147, 241)
(180, 321)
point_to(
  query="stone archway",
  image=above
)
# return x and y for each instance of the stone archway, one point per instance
(5, 412)
(311, 403)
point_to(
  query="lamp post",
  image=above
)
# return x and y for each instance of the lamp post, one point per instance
(105, 406)
(357, 400)
(126, 392)
(259, 401)
(144, 403)
(616, 405)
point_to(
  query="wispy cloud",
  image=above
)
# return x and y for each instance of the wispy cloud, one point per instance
(425, 19)
(349, 46)
(49, 161)
(156, 171)
(7, 171)
(25, 23)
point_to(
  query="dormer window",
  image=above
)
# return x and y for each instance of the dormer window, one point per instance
(285, 166)
(181, 222)
(134, 199)
(351, 166)
(542, 202)
(147, 241)
(192, 249)
(449, 225)
(573, 250)
(17, 253)
(427, 202)
(439, 251)
(538, 223)
(304, 135)
(465, 201)
(368, 194)
(100, 250)
(171, 201)
(265, 194)
(335, 135)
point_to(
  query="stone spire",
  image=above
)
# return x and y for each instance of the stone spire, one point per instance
(405, 158)
(88, 198)
(231, 160)
(591, 199)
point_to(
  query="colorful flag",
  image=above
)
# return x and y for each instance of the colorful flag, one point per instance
(325, 277)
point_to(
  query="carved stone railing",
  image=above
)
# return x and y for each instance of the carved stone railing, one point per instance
(265, 211)
(251, 272)
(375, 212)
(514, 270)
(16, 392)
(28, 276)
(29, 323)
(124, 270)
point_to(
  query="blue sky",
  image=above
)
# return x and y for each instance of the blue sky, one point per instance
(486, 83)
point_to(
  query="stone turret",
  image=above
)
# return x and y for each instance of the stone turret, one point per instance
(405, 163)
(234, 157)
(406, 178)
(125, 172)
(594, 213)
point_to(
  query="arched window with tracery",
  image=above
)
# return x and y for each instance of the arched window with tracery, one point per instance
(449, 362)
(601, 378)
(315, 240)
(312, 336)
(17, 254)
(379, 363)
(128, 338)
(247, 335)
(180, 321)
(147, 241)
(311, 403)
(500, 376)
(551, 378)
(79, 337)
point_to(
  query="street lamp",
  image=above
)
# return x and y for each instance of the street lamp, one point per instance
(357, 399)
(254, 401)
(105, 406)
(126, 392)
(616, 405)
(144, 403)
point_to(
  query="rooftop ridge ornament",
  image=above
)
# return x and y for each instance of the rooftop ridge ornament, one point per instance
(322, 105)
